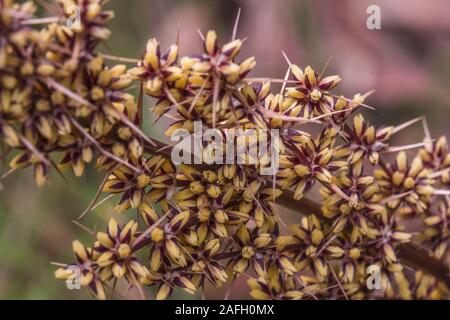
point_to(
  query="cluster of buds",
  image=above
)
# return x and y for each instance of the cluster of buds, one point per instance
(212, 223)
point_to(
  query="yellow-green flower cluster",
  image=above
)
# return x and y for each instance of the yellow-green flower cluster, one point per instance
(214, 223)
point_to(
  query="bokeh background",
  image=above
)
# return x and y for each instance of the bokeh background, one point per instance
(407, 62)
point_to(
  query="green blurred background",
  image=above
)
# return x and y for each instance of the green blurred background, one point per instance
(406, 61)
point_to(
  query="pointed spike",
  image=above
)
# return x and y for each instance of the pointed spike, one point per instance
(144, 234)
(286, 58)
(138, 286)
(58, 264)
(32, 148)
(99, 147)
(439, 173)
(140, 106)
(7, 173)
(67, 92)
(337, 279)
(118, 58)
(107, 46)
(215, 98)
(368, 93)
(101, 202)
(325, 66)
(441, 192)
(426, 129)
(349, 100)
(201, 34)
(91, 232)
(340, 193)
(300, 120)
(286, 77)
(197, 95)
(134, 128)
(46, 20)
(177, 41)
(406, 147)
(59, 171)
(306, 287)
(227, 294)
(284, 224)
(394, 197)
(51, 7)
(267, 79)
